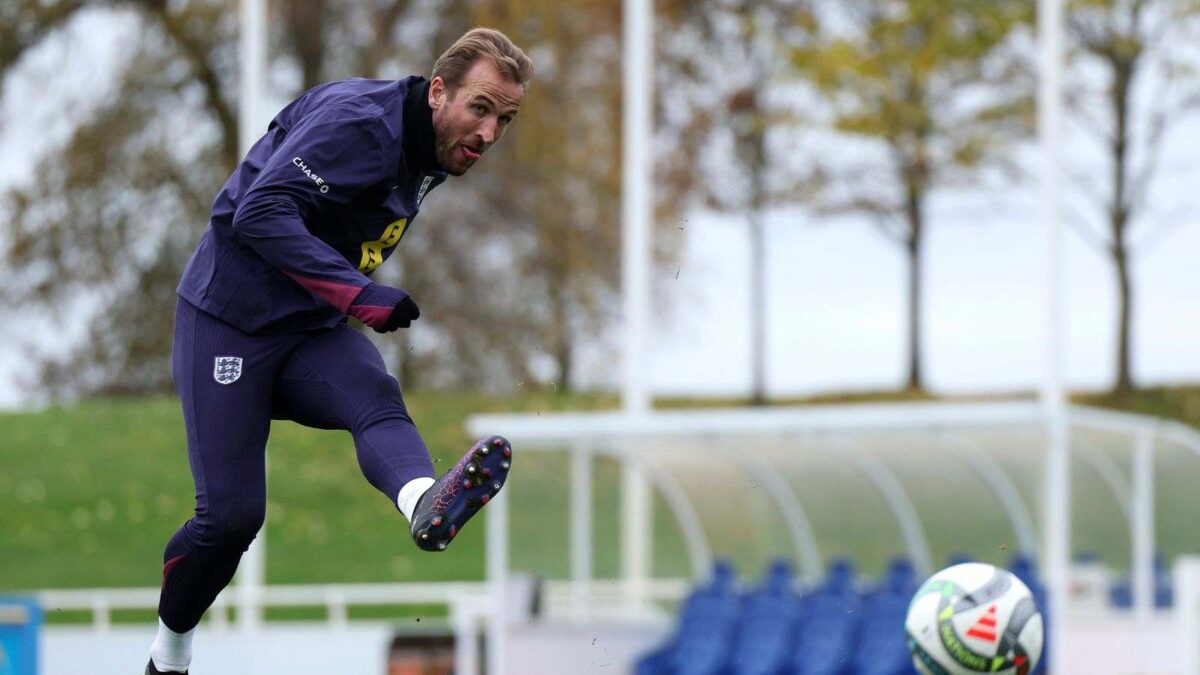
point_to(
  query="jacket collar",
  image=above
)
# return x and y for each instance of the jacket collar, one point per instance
(419, 137)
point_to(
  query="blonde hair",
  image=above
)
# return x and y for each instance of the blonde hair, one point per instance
(483, 43)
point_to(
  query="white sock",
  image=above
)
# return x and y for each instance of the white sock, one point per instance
(171, 651)
(410, 494)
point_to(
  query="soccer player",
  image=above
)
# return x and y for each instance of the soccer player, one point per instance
(260, 326)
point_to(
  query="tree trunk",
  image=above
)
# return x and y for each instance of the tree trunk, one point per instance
(914, 213)
(1119, 219)
(561, 339)
(383, 19)
(564, 358)
(306, 23)
(1124, 381)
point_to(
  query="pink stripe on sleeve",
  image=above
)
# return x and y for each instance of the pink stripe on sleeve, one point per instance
(375, 317)
(336, 293)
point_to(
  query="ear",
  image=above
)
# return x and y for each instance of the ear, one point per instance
(437, 92)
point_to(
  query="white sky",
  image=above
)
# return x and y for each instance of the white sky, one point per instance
(836, 291)
(837, 310)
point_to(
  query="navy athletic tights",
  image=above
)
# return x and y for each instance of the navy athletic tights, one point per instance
(231, 385)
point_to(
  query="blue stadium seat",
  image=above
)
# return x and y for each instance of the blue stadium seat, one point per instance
(882, 645)
(901, 577)
(704, 641)
(1120, 596)
(959, 558)
(770, 617)
(1121, 593)
(830, 618)
(1164, 590)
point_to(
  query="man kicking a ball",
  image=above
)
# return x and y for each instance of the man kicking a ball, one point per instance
(260, 327)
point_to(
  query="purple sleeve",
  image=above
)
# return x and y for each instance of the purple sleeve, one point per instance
(323, 163)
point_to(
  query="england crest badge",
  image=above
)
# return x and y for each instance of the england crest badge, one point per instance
(227, 369)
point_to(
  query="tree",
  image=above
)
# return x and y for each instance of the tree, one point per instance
(560, 187)
(112, 215)
(936, 93)
(522, 267)
(103, 223)
(747, 42)
(1145, 87)
(335, 39)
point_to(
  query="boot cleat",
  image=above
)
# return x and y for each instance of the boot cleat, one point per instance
(460, 493)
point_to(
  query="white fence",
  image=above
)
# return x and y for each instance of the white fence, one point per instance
(108, 646)
(468, 604)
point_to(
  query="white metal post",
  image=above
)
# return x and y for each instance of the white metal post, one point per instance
(581, 529)
(101, 615)
(637, 203)
(253, 65)
(497, 576)
(1057, 530)
(1143, 525)
(252, 571)
(466, 636)
(637, 215)
(1187, 611)
(635, 531)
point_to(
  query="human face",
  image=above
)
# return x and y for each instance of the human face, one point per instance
(470, 119)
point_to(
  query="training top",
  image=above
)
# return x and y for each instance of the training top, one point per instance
(317, 204)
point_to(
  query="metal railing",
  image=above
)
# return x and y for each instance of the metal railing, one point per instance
(336, 599)
(599, 596)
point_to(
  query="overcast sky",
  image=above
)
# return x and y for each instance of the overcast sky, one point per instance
(837, 309)
(836, 302)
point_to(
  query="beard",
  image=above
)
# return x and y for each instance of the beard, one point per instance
(444, 146)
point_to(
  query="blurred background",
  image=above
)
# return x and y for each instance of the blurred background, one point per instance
(846, 209)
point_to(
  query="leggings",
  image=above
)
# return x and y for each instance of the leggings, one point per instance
(231, 385)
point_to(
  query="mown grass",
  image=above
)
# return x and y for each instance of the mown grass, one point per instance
(90, 494)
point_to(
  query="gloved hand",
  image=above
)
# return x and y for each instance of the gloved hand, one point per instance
(384, 308)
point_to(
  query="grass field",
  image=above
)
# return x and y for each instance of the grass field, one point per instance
(94, 490)
(91, 492)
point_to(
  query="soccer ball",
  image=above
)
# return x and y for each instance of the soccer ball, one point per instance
(974, 618)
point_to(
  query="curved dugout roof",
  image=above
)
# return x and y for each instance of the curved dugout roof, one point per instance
(926, 479)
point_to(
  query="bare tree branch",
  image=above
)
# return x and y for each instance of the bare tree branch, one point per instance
(1087, 234)
(1085, 182)
(196, 54)
(383, 24)
(1084, 113)
(24, 23)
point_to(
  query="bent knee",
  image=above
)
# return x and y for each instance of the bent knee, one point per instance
(381, 388)
(234, 526)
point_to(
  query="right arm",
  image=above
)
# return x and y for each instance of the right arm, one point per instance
(322, 164)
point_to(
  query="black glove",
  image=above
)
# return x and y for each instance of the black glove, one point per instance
(384, 308)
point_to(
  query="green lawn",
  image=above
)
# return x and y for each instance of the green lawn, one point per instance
(91, 492)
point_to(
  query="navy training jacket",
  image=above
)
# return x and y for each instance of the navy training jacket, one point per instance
(318, 203)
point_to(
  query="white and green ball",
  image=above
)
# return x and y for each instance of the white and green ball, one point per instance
(974, 618)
